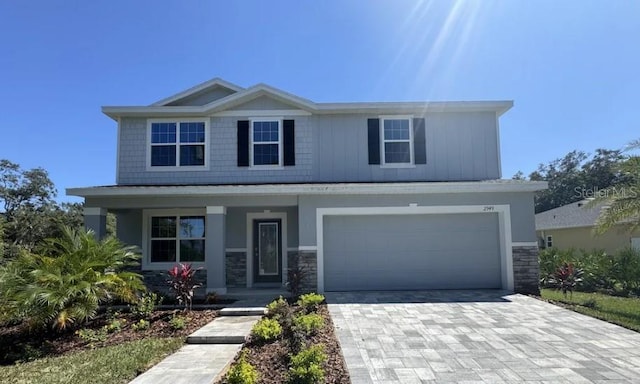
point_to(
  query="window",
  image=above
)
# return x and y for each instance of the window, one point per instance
(266, 143)
(178, 144)
(397, 139)
(177, 239)
(549, 242)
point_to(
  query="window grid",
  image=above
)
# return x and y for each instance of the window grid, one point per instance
(177, 239)
(266, 143)
(396, 141)
(167, 144)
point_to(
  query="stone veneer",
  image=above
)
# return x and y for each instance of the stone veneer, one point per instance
(526, 269)
(236, 268)
(156, 281)
(308, 261)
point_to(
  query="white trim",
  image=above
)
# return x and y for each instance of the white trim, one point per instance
(213, 210)
(383, 141)
(146, 264)
(119, 137)
(265, 113)
(524, 244)
(314, 189)
(94, 211)
(178, 144)
(504, 226)
(249, 237)
(311, 248)
(235, 250)
(292, 249)
(280, 165)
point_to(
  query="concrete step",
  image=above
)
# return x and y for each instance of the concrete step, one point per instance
(224, 330)
(191, 364)
(243, 311)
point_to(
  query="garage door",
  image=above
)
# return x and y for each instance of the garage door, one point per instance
(395, 252)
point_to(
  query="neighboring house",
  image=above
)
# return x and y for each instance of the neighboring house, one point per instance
(370, 195)
(572, 226)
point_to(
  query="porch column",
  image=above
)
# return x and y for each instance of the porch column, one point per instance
(215, 250)
(96, 219)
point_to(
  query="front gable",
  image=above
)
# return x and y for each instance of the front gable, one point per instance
(201, 94)
(262, 103)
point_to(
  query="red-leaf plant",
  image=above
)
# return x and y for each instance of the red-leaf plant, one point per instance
(567, 278)
(183, 283)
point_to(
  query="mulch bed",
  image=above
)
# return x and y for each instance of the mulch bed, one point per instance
(17, 343)
(271, 359)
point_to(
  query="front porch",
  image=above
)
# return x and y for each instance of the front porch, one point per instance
(239, 250)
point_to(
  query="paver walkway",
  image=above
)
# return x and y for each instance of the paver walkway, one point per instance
(477, 337)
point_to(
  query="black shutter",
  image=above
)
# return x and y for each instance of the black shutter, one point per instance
(289, 142)
(243, 143)
(374, 140)
(419, 141)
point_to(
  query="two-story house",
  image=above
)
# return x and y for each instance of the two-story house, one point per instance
(369, 196)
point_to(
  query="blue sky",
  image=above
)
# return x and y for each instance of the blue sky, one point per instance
(571, 67)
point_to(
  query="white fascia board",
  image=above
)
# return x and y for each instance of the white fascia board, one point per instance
(309, 189)
(417, 107)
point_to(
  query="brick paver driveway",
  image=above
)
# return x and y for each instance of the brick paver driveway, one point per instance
(477, 337)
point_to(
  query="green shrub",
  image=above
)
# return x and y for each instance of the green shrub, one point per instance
(146, 304)
(278, 308)
(65, 286)
(141, 325)
(309, 323)
(266, 330)
(242, 372)
(115, 325)
(310, 301)
(92, 336)
(306, 366)
(626, 270)
(178, 322)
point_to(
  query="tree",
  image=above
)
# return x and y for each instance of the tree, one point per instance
(19, 188)
(622, 199)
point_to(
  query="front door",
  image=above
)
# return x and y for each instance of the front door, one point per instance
(267, 251)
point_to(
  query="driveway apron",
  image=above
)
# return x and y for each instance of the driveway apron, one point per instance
(477, 337)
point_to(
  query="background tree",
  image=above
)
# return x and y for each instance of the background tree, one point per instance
(623, 198)
(575, 175)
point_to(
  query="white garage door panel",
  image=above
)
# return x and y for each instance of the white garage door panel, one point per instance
(411, 252)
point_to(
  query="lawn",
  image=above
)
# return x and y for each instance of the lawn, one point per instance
(624, 311)
(112, 364)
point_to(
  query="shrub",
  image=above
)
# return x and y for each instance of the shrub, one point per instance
(626, 269)
(296, 275)
(567, 277)
(178, 322)
(306, 366)
(66, 285)
(92, 336)
(211, 298)
(309, 323)
(146, 304)
(182, 281)
(310, 301)
(141, 325)
(266, 330)
(590, 303)
(278, 309)
(242, 372)
(115, 325)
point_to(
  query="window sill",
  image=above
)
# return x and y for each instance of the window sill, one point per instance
(265, 167)
(149, 266)
(397, 166)
(177, 169)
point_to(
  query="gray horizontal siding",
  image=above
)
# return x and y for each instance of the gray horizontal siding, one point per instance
(460, 147)
(329, 148)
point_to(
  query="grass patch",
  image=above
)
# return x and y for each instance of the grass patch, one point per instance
(624, 311)
(107, 365)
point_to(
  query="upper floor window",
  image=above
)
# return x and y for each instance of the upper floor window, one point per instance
(178, 143)
(266, 143)
(397, 139)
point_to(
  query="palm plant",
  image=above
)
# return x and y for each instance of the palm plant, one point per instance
(71, 276)
(623, 199)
